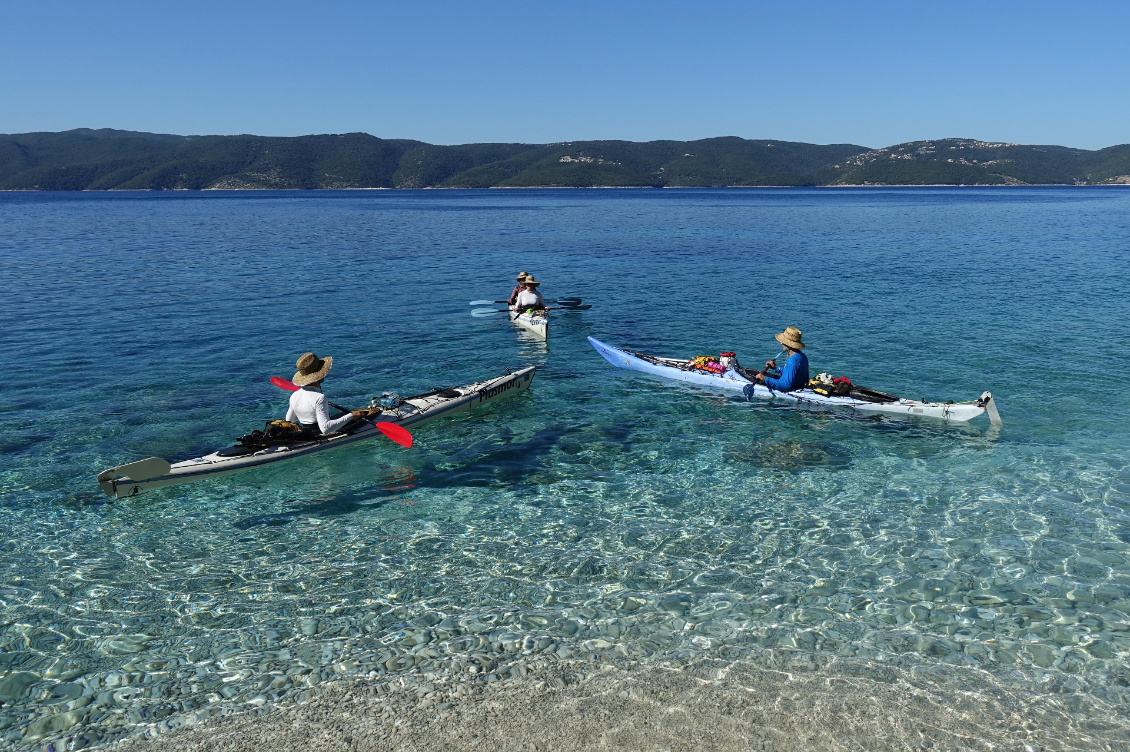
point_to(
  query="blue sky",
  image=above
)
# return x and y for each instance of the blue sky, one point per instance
(868, 73)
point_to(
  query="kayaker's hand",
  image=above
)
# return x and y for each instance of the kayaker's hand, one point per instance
(770, 364)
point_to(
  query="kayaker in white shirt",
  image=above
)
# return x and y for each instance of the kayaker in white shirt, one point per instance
(308, 405)
(529, 298)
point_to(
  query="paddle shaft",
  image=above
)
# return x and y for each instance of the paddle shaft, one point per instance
(563, 309)
(559, 301)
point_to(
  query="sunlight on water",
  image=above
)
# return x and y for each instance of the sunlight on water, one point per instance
(600, 513)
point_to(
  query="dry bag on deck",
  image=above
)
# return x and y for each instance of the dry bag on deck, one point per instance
(277, 433)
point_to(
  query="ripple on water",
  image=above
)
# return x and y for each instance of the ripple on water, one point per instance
(600, 514)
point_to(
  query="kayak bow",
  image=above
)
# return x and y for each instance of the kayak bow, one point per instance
(535, 321)
(680, 370)
(154, 472)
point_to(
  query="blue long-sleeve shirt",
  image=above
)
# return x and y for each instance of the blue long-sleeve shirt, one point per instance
(793, 376)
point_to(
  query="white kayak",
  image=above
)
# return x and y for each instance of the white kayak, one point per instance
(154, 472)
(733, 380)
(535, 321)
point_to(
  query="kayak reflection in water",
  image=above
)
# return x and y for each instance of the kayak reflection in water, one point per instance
(529, 299)
(795, 373)
(517, 288)
(308, 405)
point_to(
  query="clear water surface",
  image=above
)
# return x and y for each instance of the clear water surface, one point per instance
(601, 512)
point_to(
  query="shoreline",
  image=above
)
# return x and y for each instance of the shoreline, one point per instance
(579, 188)
(703, 704)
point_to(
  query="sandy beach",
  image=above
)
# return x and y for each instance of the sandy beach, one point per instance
(578, 705)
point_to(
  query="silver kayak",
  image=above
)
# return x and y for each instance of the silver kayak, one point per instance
(154, 472)
(534, 321)
(732, 380)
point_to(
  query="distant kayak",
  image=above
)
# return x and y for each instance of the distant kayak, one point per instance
(534, 321)
(154, 472)
(733, 379)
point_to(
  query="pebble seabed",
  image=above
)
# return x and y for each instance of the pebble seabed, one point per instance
(774, 701)
(522, 692)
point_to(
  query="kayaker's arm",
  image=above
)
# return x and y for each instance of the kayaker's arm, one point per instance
(771, 371)
(327, 424)
(793, 376)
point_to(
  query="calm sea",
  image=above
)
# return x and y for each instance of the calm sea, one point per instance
(602, 512)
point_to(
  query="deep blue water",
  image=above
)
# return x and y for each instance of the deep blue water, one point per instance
(661, 519)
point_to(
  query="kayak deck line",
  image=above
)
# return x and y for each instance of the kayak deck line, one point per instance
(678, 369)
(535, 321)
(154, 472)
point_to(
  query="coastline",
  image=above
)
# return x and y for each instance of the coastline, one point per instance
(578, 188)
(703, 704)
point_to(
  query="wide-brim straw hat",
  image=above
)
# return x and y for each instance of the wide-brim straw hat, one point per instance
(522, 275)
(311, 368)
(529, 280)
(791, 338)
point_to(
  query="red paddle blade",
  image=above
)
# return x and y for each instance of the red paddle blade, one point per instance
(399, 434)
(284, 384)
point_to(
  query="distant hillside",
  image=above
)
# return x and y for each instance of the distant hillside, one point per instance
(959, 161)
(107, 159)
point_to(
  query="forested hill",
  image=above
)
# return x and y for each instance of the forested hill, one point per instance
(106, 159)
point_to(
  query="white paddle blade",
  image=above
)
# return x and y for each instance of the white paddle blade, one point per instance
(994, 416)
(486, 311)
(152, 467)
(482, 302)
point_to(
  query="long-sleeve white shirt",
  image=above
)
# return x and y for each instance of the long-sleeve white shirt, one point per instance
(308, 406)
(529, 299)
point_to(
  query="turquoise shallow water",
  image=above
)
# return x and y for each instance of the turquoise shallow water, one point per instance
(602, 512)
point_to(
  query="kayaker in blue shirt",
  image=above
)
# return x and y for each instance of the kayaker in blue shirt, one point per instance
(794, 375)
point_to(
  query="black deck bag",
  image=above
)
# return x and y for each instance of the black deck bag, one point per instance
(277, 433)
(870, 395)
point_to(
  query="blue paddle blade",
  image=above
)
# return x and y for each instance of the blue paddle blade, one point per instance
(485, 302)
(488, 311)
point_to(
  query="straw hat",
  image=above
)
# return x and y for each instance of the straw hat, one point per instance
(311, 368)
(522, 275)
(529, 280)
(791, 338)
